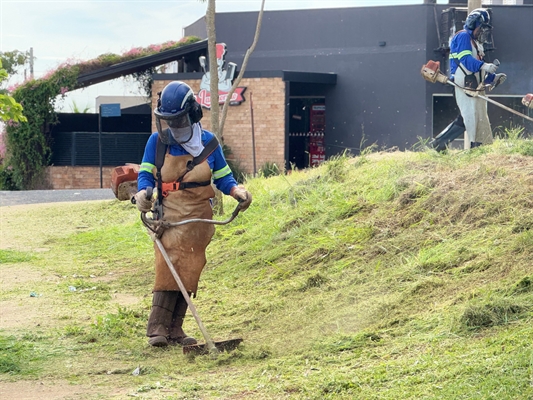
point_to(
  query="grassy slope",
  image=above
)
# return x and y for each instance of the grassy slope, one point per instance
(385, 276)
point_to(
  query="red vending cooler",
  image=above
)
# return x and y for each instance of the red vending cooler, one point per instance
(317, 151)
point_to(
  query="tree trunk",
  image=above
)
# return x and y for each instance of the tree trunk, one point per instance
(237, 80)
(213, 70)
(473, 4)
(217, 121)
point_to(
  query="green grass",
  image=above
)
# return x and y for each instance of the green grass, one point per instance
(13, 256)
(394, 275)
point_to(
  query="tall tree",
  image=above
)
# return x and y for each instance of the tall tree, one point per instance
(217, 120)
(213, 75)
(13, 60)
(473, 4)
(9, 108)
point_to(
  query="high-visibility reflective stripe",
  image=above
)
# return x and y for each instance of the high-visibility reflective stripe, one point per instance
(461, 54)
(222, 172)
(147, 167)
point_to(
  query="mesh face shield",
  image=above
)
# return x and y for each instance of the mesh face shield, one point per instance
(485, 34)
(174, 128)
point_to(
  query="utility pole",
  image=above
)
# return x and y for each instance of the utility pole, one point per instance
(473, 4)
(31, 62)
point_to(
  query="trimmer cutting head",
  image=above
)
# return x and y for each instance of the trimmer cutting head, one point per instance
(226, 345)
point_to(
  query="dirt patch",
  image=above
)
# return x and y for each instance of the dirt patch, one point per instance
(18, 222)
(25, 313)
(125, 299)
(18, 275)
(25, 310)
(62, 390)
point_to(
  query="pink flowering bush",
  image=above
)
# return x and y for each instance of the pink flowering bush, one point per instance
(27, 144)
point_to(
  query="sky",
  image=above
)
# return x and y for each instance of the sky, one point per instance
(79, 30)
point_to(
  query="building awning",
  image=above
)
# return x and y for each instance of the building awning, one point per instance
(192, 51)
(327, 78)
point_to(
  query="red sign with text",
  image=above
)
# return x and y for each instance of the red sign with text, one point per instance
(225, 72)
(317, 150)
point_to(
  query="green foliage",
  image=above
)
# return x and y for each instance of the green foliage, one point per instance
(13, 256)
(12, 60)
(496, 312)
(27, 143)
(269, 169)
(27, 137)
(6, 178)
(77, 110)
(124, 323)
(145, 80)
(10, 110)
(12, 355)
(337, 168)
(17, 356)
(514, 140)
(238, 172)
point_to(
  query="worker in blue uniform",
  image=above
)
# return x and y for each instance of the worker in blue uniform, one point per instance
(193, 159)
(469, 71)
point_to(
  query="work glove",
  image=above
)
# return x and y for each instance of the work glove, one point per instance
(489, 68)
(498, 80)
(243, 196)
(143, 204)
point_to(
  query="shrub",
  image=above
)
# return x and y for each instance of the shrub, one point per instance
(269, 169)
(6, 178)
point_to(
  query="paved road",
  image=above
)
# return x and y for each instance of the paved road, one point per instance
(11, 198)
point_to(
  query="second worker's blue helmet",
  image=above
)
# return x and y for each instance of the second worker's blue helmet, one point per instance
(480, 18)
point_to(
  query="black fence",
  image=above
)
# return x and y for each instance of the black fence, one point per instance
(82, 148)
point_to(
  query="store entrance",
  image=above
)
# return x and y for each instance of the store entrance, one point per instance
(307, 124)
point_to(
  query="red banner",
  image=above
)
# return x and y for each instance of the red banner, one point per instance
(204, 97)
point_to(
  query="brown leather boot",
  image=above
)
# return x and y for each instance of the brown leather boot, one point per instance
(176, 334)
(160, 320)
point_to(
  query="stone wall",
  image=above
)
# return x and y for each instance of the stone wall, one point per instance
(268, 96)
(78, 177)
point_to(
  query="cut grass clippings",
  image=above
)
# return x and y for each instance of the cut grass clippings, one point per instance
(391, 275)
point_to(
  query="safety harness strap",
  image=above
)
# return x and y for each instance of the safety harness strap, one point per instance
(173, 186)
(160, 151)
(164, 188)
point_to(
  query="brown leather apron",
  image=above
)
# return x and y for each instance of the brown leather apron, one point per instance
(184, 244)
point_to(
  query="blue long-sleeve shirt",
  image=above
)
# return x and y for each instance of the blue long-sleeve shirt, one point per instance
(222, 175)
(461, 52)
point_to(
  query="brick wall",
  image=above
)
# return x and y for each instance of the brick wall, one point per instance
(78, 177)
(269, 121)
(269, 131)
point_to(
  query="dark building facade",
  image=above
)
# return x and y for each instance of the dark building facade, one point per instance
(376, 54)
(323, 81)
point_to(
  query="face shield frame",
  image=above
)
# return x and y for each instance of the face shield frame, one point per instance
(485, 33)
(174, 128)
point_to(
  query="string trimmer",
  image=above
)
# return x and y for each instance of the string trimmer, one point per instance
(431, 73)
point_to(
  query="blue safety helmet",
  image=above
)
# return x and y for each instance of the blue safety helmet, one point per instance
(176, 112)
(480, 18)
